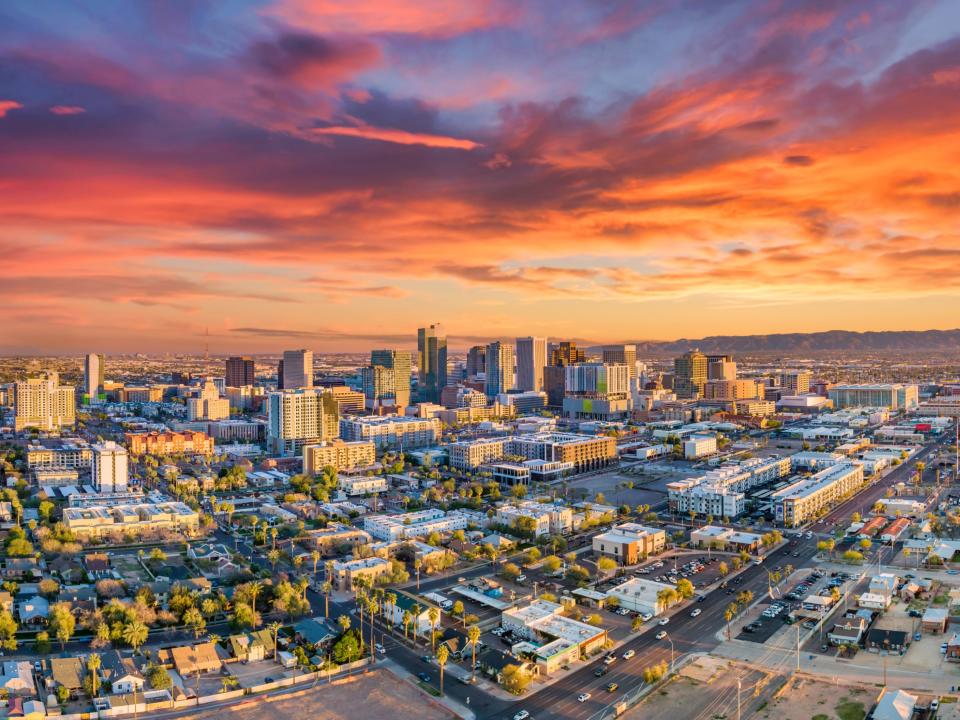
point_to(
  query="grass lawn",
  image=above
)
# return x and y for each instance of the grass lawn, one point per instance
(850, 710)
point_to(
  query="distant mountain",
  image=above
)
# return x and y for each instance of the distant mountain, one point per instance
(833, 340)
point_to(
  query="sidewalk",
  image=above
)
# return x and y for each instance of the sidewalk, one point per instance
(453, 705)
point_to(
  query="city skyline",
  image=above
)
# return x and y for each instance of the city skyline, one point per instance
(335, 174)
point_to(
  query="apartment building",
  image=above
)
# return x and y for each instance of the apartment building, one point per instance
(301, 417)
(795, 382)
(698, 446)
(338, 454)
(471, 454)
(721, 492)
(169, 443)
(361, 485)
(392, 431)
(98, 521)
(597, 391)
(344, 573)
(583, 452)
(732, 390)
(629, 543)
(547, 519)
(110, 467)
(336, 538)
(72, 454)
(415, 524)
(43, 403)
(805, 499)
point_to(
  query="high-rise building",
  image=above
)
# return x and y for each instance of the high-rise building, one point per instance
(690, 374)
(554, 375)
(387, 380)
(301, 417)
(93, 376)
(531, 360)
(297, 369)
(476, 361)
(796, 382)
(240, 372)
(280, 374)
(721, 367)
(208, 405)
(110, 467)
(621, 355)
(597, 391)
(431, 362)
(499, 368)
(43, 403)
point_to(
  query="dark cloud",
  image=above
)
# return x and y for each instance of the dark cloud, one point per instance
(798, 160)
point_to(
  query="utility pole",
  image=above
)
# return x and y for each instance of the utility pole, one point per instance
(738, 698)
(798, 648)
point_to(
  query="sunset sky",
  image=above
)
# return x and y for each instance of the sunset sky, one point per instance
(333, 173)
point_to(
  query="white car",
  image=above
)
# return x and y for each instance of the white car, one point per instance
(380, 649)
(583, 697)
(664, 621)
(695, 612)
(629, 654)
(522, 715)
(661, 635)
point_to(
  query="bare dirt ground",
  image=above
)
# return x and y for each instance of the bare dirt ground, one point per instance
(804, 699)
(377, 694)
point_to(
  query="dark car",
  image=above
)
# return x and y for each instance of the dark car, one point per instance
(600, 671)
(424, 677)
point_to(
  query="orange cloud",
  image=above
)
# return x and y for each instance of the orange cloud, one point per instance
(67, 110)
(8, 105)
(401, 137)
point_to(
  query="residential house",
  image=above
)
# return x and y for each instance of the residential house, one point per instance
(493, 664)
(890, 640)
(17, 679)
(193, 659)
(418, 609)
(66, 672)
(21, 567)
(80, 597)
(953, 648)
(34, 611)
(895, 705)
(935, 620)
(121, 673)
(314, 631)
(246, 649)
(97, 565)
(847, 632)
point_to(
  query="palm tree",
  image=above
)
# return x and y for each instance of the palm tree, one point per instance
(135, 634)
(442, 656)
(415, 612)
(728, 615)
(473, 635)
(417, 564)
(391, 598)
(344, 621)
(407, 621)
(255, 587)
(434, 615)
(315, 556)
(275, 629)
(93, 665)
(371, 611)
(273, 556)
(327, 589)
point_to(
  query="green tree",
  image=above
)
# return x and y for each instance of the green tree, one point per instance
(193, 619)
(62, 623)
(510, 571)
(135, 634)
(348, 647)
(43, 642)
(515, 679)
(8, 631)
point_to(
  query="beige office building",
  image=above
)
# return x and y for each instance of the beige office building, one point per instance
(732, 390)
(208, 405)
(43, 403)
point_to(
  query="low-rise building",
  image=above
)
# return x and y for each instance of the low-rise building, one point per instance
(721, 538)
(391, 431)
(415, 524)
(336, 538)
(339, 455)
(558, 640)
(344, 573)
(806, 499)
(629, 543)
(98, 521)
(361, 485)
(640, 595)
(698, 446)
(471, 454)
(170, 443)
(545, 519)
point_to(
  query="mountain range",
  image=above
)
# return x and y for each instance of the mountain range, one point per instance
(832, 340)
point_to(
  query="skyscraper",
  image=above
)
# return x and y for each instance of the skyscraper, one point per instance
(598, 391)
(301, 417)
(240, 372)
(432, 362)
(621, 355)
(531, 360)
(499, 368)
(297, 369)
(476, 360)
(42, 402)
(721, 367)
(554, 375)
(387, 380)
(690, 374)
(109, 467)
(93, 375)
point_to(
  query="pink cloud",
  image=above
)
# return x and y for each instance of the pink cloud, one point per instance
(8, 105)
(401, 137)
(67, 110)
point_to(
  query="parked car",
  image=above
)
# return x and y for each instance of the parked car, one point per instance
(664, 621)
(522, 715)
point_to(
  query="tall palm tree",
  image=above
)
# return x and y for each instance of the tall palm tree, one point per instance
(442, 656)
(327, 589)
(434, 615)
(391, 598)
(255, 587)
(417, 564)
(415, 612)
(275, 629)
(473, 635)
(407, 620)
(344, 621)
(93, 665)
(371, 611)
(315, 556)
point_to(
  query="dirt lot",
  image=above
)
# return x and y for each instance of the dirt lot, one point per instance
(377, 694)
(709, 691)
(807, 699)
